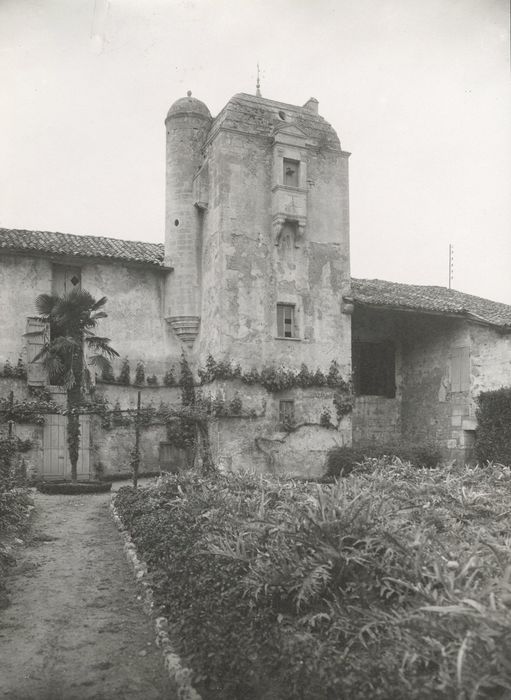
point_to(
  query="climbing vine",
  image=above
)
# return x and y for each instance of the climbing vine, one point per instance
(272, 378)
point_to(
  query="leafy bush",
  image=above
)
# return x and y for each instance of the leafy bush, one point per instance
(107, 374)
(169, 379)
(139, 374)
(124, 374)
(342, 460)
(73, 487)
(378, 586)
(493, 435)
(14, 504)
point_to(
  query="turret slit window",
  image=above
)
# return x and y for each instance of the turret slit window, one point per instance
(291, 172)
(286, 324)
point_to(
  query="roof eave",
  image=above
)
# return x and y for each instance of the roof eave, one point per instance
(505, 328)
(81, 258)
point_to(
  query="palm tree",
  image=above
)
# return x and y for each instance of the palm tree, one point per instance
(72, 348)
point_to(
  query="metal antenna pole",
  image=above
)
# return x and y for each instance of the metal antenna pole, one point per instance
(451, 264)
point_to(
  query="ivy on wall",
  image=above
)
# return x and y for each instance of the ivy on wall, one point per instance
(275, 379)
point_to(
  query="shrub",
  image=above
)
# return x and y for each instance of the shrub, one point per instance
(342, 460)
(118, 418)
(69, 488)
(169, 379)
(20, 371)
(14, 504)
(152, 380)
(107, 374)
(8, 370)
(379, 586)
(493, 435)
(139, 374)
(124, 374)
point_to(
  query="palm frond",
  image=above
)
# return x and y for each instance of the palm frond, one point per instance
(101, 345)
(98, 304)
(55, 368)
(100, 361)
(45, 304)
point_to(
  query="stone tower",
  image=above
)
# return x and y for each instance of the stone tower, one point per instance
(187, 125)
(257, 231)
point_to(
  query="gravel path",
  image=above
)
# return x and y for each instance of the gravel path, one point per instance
(75, 629)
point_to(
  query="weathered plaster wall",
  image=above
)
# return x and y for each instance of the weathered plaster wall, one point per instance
(22, 279)
(430, 409)
(135, 305)
(490, 359)
(257, 442)
(428, 404)
(135, 322)
(111, 449)
(246, 274)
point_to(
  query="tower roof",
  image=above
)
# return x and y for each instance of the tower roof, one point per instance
(258, 115)
(189, 105)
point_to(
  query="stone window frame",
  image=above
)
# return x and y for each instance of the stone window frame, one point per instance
(280, 318)
(291, 178)
(286, 411)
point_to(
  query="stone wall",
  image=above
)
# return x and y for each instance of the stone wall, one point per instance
(22, 279)
(490, 359)
(441, 364)
(245, 274)
(135, 322)
(256, 441)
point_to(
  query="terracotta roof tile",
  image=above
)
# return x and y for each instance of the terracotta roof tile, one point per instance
(414, 297)
(67, 244)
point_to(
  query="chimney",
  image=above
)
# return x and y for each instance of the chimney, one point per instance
(311, 105)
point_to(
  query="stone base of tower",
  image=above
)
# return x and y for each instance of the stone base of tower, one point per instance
(255, 438)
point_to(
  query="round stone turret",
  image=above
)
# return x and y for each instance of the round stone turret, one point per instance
(188, 106)
(187, 124)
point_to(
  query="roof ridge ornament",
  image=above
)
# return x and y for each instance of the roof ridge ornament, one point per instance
(258, 83)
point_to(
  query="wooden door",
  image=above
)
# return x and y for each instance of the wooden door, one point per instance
(56, 464)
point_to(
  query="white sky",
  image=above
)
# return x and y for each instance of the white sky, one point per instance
(418, 90)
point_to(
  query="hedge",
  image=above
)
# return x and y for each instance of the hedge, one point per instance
(342, 460)
(493, 435)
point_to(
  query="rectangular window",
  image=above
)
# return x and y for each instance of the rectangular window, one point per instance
(374, 369)
(291, 172)
(286, 412)
(286, 326)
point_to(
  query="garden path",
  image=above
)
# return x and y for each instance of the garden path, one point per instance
(75, 629)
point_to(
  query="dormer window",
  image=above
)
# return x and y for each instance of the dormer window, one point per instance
(291, 172)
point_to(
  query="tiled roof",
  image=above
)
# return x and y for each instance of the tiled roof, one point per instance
(414, 297)
(257, 115)
(69, 245)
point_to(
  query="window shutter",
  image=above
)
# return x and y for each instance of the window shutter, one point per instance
(38, 334)
(280, 321)
(460, 369)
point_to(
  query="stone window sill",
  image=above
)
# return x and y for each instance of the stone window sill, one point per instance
(280, 337)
